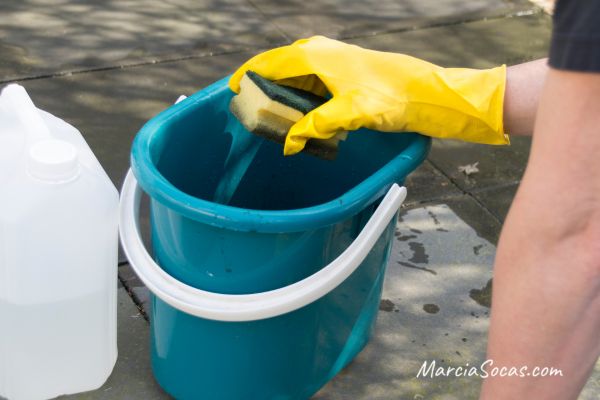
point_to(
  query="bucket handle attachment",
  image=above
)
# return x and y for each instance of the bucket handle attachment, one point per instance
(255, 306)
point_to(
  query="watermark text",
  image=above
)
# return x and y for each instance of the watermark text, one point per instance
(429, 369)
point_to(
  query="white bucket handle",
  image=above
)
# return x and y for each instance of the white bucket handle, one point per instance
(246, 307)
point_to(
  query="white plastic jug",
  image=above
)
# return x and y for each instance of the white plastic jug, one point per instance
(58, 256)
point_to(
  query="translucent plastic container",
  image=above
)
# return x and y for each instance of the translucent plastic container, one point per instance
(58, 256)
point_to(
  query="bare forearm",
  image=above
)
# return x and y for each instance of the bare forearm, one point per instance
(523, 89)
(546, 300)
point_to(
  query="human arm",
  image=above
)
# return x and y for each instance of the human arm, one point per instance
(546, 298)
(523, 89)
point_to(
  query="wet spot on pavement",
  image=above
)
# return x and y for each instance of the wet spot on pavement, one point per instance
(386, 305)
(404, 238)
(419, 256)
(482, 296)
(431, 308)
(433, 217)
(409, 265)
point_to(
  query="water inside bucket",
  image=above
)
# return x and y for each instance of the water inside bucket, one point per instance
(204, 152)
(244, 146)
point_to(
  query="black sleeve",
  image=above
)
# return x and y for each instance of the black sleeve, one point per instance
(576, 36)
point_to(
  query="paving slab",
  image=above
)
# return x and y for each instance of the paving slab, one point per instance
(473, 213)
(348, 19)
(40, 37)
(497, 200)
(427, 183)
(591, 390)
(497, 165)
(132, 376)
(479, 44)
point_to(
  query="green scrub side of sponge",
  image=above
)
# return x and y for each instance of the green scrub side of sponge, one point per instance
(300, 100)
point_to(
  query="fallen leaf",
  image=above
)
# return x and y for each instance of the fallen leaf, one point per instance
(469, 169)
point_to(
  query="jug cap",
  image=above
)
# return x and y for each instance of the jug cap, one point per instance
(53, 160)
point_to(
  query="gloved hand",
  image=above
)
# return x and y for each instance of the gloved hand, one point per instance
(383, 91)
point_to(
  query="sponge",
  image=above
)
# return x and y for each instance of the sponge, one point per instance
(269, 110)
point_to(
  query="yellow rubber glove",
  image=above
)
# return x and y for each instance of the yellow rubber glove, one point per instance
(383, 91)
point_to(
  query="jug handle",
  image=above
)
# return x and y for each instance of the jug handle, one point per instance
(255, 306)
(22, 106)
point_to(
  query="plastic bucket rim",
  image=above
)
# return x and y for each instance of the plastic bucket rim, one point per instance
(267, 221)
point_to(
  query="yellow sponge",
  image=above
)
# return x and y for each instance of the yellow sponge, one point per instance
(269, 110)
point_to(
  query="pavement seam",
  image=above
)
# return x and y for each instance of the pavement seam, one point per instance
(465, 192)
(266, 18)
(249, 48)
(522, 13)
(61, 74)
(454, 196)
(134, 298)
(431, 200)
(496, 187)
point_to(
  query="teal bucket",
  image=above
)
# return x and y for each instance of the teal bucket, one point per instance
(270, 296)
